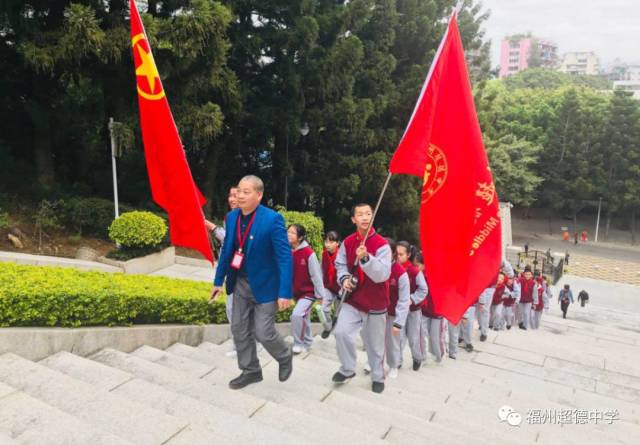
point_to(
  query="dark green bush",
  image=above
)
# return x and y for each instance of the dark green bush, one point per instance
(90, 216)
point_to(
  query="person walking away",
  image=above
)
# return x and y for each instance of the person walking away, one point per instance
(583, 297)
(565, 298)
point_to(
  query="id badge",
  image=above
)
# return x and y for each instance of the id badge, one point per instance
(236, 261)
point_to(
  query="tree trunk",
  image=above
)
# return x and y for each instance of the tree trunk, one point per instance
(43, 152)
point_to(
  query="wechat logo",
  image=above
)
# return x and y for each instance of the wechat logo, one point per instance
(509, 415)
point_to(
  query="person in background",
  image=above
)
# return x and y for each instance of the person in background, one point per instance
(330, 278)
(219, 233)
(565, 298)
(583, 297)
(399, 300)
(308, 287)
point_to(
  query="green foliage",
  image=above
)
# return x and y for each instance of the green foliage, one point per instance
(4, 219)
(90, 216)
(513, 165)
(312, 224)
(44, 296)
(551, 79)
(138, 230)
(64, 297)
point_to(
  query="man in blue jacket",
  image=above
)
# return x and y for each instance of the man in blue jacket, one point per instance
(256, 262)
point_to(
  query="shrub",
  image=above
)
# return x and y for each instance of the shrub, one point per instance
(4, 219)
(53, 296)
(91, 215)
(138, 230)
(312, 224)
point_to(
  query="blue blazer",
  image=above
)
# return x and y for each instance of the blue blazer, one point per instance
(267, 261)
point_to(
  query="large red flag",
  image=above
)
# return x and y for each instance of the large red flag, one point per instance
(171, 182)
(459, 213)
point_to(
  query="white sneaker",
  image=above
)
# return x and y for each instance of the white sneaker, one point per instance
(232, 353)
(393, 373)
(367, 368)
(297, 349)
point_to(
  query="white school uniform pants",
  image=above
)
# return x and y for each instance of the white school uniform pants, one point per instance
(525, 314)
(301, 323)
(435, 329)
(414, 335)
(496, 319)
(328, 302)
(393, 344)
(482, 312)
(536, 316)
(373, 327)
(508, 315)
(467, 328)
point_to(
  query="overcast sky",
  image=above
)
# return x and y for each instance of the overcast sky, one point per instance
(610, 28)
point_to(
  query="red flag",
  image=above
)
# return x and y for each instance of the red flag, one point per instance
(172, 185)
(459, 213)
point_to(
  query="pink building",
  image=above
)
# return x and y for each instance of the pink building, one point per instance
(516, 52)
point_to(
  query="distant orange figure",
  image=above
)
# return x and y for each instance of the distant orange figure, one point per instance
(565, 235)
(584, 236)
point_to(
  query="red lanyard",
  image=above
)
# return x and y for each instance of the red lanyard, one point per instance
(241, 240)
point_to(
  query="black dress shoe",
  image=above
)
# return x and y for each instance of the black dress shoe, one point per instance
(417, 364)
(483, 337)
(286, 368)
(245, 379)
(325, 334)
(469, 347)
(339, 377)
(377, 387)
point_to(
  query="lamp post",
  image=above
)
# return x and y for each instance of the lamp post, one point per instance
(113, 167)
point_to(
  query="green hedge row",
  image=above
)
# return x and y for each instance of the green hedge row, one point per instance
(51, 296)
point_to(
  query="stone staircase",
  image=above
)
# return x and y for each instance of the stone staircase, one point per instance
(180, 395)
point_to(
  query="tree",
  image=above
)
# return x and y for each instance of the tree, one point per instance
(512, 162)
(620, 149)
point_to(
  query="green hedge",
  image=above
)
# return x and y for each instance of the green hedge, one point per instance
(138, 229)
(52, 296)
(312, 224)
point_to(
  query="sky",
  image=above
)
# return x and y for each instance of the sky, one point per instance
(610, 28)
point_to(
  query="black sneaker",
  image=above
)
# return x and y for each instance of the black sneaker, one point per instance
(338, 377)
(483, 337)
(508, 327)
(416, 365)
(521, 325)
(469, 347)
(452, 356)
(490, 326)
(245, 379)
(460, 340)
(325, 334)
(377, 387)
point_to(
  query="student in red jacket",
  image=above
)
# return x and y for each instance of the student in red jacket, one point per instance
(307, 287)
(399, 299)
(418, 288)
(364, 256)
(330, 278)
(528, 297)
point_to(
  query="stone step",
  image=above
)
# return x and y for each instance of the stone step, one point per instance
(27, 420)
(228, 427)
(180, 382)
(294, 394)
(129, 420)
(415, 395)
(239, 402)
